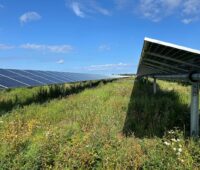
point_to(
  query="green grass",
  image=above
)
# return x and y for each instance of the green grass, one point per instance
(118, 125)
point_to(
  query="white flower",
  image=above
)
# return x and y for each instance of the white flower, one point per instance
(174, 149)
(178, 153)
(167, 143)
(47, 133)
(179, 149)
(181, 160)
(1, 121)
(171, 132)
(178, 140)
(174, 140)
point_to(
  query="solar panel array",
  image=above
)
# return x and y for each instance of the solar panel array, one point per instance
(12, 78)
(161, 58)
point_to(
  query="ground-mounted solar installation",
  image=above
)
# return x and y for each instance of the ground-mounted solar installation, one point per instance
(167, 61)
(12, 78)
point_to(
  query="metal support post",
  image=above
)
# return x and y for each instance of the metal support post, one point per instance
(154, 86)
(194, 114)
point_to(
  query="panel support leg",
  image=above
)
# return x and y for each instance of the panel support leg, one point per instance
(194, 114)
(154, 86)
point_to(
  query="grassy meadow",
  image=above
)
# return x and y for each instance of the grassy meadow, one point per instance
(97, 125)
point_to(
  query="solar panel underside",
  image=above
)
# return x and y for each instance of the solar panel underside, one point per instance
(11, 78)
(161, 58)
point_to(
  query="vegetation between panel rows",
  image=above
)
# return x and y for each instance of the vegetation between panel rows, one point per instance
(119, 125)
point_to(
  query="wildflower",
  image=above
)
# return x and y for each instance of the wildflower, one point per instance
(180, 146)
(171, 132)
(1, 121)
(174, 140)
(178, 153)
(180, 150)
(174, 149)
(166, 143)
(47, 133)
(181, 160)
(178, 140)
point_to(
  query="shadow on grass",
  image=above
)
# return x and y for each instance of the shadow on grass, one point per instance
(151, 114)
(47, 93)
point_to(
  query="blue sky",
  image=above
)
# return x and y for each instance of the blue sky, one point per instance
(94, 36)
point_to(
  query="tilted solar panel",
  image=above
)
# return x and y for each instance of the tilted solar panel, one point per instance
(161, 58)
(167, 61)
(12, 78)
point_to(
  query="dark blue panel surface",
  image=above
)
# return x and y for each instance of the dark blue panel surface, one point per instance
(13, 74)
(59, 76)
(12, 78)
(50, 77)
(34, 76)
(10, 82)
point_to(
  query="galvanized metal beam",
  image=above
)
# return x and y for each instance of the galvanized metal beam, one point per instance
(154, 86)
(169, 71)
(192, 77)
(194, 113)
(148, 70)
(177, 77)
(164, 64)
(194, 105)
(152, 69)
(173, 59)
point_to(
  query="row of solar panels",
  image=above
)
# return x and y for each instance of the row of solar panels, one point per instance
(162, 58)
(11, 78)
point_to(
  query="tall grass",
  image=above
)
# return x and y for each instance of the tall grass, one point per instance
(20, 97)
(152, 114)
(85, 130)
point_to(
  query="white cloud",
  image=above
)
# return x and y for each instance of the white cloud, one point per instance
(104, 47)
(61, 61)
(59, 48)
(49, 48)
(124, 4)
(119, 66)
(33, 46)
(40, 47)
(86, 8)
(97, 8)
(187, 11)
(5, 47)
(76, 7)
(29, 16)
(156, 10)
(103, 11)
(191, 11)
(120, 4)
(171, 4)
(188, 20)
(191, 7)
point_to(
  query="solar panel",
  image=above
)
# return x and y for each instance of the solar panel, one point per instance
(161, 58)
(12, 78)
(168, 61)
(34, 75)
